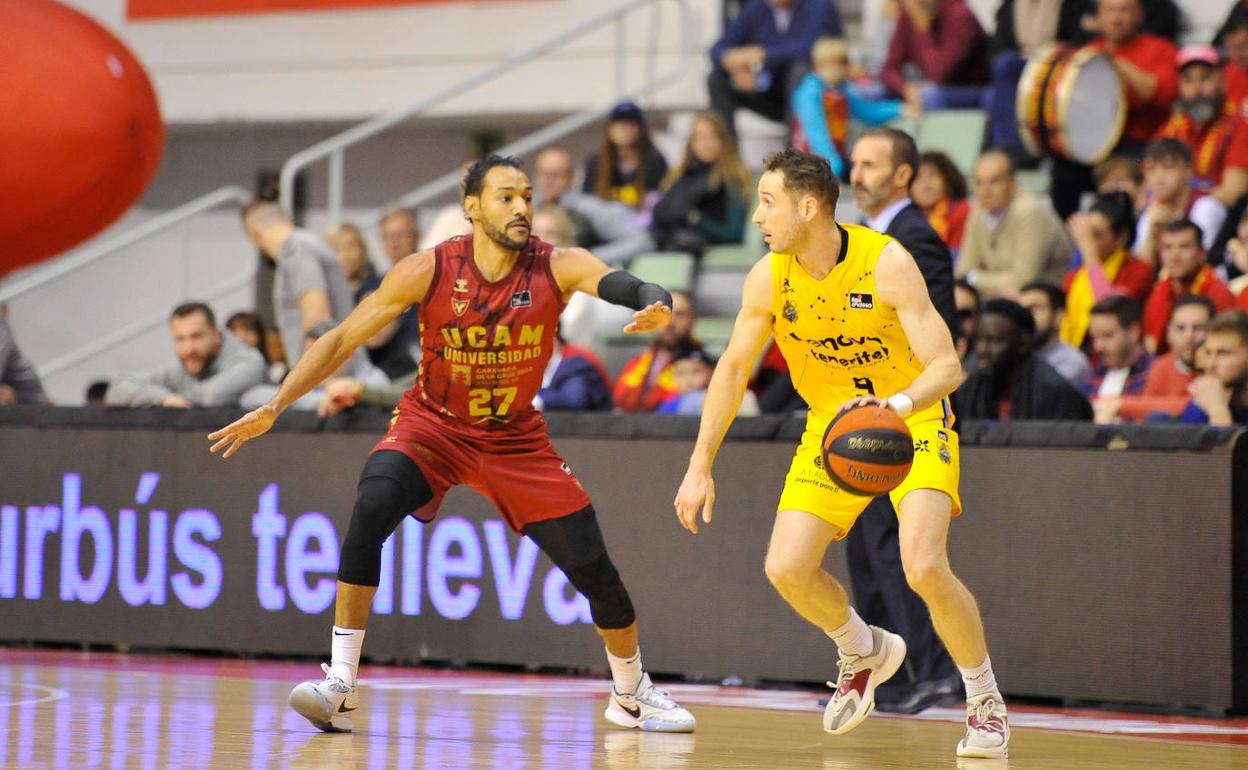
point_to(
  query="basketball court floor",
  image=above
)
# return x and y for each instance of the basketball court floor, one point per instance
(76, 710)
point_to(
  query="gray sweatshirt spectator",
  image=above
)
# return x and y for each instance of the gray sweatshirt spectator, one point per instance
(19, 384)
(610, 228)
(213, 368)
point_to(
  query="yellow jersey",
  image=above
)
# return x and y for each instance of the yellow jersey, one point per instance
(839, 339)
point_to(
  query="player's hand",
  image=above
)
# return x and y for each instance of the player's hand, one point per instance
(342, 393)
(174, 401)
(232, 437)
(649, 319)
(696, 493)
(858, 401)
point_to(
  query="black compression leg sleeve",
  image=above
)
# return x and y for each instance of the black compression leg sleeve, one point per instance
(574, 543)
(391, 486)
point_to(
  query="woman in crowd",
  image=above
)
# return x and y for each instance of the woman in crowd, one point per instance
(1103, 237)
(348, 244)
(705, 197)
(939, 190)
(629, 168)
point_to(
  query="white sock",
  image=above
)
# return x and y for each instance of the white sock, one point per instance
(626, 672)
(853, 638)
(979, 680)
(345, 646)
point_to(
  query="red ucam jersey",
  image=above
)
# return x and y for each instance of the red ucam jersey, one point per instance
(485, 344)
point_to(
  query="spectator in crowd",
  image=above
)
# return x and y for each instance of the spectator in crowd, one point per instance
(19, 383)
(967, 301)
(1122, 363)
(885, 162)
(879, 20)
(1233, 37)
(608, 227)
(1047, 305)
(628, 168)
(358, 368)
(1230, 250)
(97, 393)
(1216, 135)
(825, 102)
(1169, 197)
(399, 235)
(247, 329)
(309, 287)
(1103, 238)
(1012, 237)
(945, 42)
(1013, 380)
(691, 374)
(389, 352)
(939, 190)
(214, 369)
(1165, 389)
(348, 244)
(447, 222)
(575, 381)
(763, 54)
(646, 379)
(1022, 28)
(1121, 173)
(705, 196)
(1220, 396)
(1145, 63)
(1184, 270)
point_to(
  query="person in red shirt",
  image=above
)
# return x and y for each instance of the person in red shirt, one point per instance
(1234, 38)
(939, 190)
(1184, 270)
(1208, 123)
(1145, 63)
(946, 42)
(646, 380)
(1165, 388)
(489, 307)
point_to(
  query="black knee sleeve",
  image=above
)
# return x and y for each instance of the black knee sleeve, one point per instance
(391, 486)
(600, 582)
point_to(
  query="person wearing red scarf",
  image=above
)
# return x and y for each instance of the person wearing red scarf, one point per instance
(1184, 270)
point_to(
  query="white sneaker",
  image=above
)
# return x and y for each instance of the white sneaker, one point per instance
(328, 705)
(650, 709)
(987, 728)
(858, 676)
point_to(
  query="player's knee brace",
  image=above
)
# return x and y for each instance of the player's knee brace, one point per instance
(600, 582)
(390, 488)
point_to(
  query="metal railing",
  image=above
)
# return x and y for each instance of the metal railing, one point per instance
(334, 147)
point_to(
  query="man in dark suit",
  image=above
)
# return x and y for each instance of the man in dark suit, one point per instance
(885, 162)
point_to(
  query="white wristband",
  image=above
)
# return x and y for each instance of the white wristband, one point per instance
(902, 404)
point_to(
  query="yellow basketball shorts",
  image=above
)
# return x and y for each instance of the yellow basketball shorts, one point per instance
(809, 488)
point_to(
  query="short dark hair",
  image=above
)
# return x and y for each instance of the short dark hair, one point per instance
(1118, 208)
(474, 177)
(1125, 309)
(905, 151)
(247, 320)
(1185, 225)
(806, 174)
(191, 308)
(1237, 20)
(1194, 299)
(97, 391)
(1054, 293)
(1234, 321)
(1113, 163)
(955, 183)
(1168, 149)
(1013, 312)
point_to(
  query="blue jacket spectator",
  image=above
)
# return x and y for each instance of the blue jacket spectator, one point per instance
(575, 381)
(762, 55)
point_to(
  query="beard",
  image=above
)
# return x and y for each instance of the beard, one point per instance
(502, 238)
(1203, 110)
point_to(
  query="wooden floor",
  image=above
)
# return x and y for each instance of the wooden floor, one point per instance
(70, 710)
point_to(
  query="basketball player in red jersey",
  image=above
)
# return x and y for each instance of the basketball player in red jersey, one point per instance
(489, 305)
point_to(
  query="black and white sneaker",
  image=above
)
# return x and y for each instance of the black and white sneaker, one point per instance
(328, 704)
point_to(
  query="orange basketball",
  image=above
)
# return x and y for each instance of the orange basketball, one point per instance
(868, 450)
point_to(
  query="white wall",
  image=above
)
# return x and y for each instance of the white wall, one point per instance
(348, 65)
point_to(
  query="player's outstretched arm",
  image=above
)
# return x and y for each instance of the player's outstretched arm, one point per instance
(899, 283)
(724, 394)
(406, 284)
(579, 270)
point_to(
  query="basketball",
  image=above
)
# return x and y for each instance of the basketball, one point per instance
(868, 450)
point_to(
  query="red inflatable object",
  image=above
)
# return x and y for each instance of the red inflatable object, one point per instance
(80, 132)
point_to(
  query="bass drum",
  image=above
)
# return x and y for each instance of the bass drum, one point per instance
(1071, 103)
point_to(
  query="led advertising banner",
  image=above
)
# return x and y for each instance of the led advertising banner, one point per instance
(139, 536)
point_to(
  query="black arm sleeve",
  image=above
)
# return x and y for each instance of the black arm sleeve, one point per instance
(622, 288)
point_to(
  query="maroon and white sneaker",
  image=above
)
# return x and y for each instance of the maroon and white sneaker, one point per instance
(854, 696)
(987, 728)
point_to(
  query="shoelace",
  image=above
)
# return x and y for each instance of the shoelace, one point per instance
(844, 671)
(657, 698)
(984, 710)
(334, 681)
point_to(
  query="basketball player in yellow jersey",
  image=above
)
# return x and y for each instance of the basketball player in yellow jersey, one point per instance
(851, 314)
